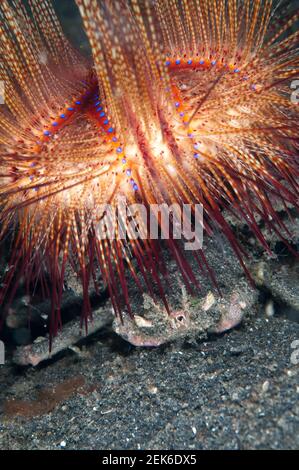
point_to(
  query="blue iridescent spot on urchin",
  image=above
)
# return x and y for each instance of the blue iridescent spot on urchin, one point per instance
(189, 62)
(106, 121)
(129, 172)
(119, 149)
(213, 62)
(201, 62)
(167, 63)
(124, 161)
(32, 165)
(196, 146)
(253, 87)
(47, 133)
(110, 130)
(99, 109)
(78, 102)
(135, 187)
(177, 104)
(62, 116)
(114, 139)
(196, 155)
(237, 71)
(178, 62)
(182, 114)
(55, 124)
(70, 109)
(190, 135)
(97, 103)
(102, 114)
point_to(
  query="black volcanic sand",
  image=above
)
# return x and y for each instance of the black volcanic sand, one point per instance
(237, 391)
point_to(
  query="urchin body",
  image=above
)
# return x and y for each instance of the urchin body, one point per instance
(183, 104)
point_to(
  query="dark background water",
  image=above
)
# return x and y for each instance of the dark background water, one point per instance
(69, 16)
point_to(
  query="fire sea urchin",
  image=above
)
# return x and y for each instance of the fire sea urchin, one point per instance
(186, 102)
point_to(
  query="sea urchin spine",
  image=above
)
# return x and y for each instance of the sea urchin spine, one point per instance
(186, 102)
